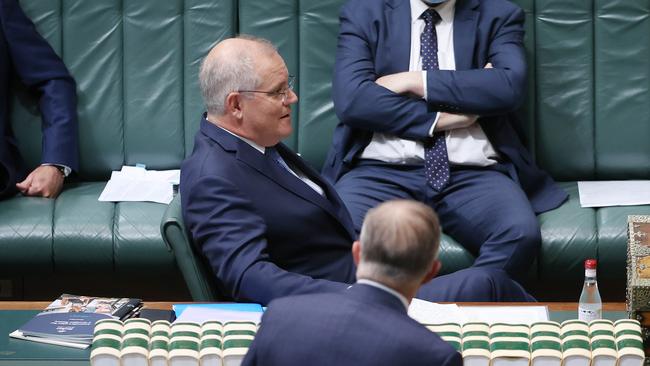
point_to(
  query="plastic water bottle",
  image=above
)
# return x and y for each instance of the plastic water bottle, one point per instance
(590, 306)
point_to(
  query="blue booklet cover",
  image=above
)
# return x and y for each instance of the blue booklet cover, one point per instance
(70, 319)
(77, 327)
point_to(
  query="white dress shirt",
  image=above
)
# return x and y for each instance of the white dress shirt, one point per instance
(293, 170)
(465, 146)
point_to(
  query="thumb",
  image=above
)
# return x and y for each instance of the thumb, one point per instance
(25, 184)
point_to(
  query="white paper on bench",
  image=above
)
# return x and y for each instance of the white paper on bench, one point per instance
(614, 193)
(140, 185)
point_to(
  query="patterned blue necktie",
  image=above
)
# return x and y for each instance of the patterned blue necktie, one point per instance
(274, 155)
(436, 162)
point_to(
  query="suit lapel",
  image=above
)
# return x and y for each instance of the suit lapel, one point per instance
(465, 23)
(279, 175)
(398, 15)
(330, 203)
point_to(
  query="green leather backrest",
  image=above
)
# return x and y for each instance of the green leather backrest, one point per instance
(588, 104)
(136, 61)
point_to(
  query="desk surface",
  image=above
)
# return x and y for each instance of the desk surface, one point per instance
(16, 352)
(167, 305)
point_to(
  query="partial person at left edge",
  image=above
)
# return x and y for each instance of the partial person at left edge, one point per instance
(27, 58)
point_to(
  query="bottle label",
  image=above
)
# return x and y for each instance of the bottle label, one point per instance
(588, 315)
(590, 273)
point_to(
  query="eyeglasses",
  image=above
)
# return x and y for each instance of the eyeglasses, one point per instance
(283, 94)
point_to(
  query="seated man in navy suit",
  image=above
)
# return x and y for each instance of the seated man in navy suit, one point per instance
(367, 324)
(425, 91)
(268, 223)
(25, 55)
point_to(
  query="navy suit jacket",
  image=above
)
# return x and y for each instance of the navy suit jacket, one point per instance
(265, 233)
(374, 40)
(25, 55)
(361, 326)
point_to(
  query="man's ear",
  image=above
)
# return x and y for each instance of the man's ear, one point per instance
(435, 268)
(356, 252)
(233, 105)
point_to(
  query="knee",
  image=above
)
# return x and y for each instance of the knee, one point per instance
(496, 285)
(524, 232)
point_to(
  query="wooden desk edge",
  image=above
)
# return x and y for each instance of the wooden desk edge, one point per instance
(166, 305)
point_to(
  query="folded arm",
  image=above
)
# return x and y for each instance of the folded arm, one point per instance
(487, 91)
(362, 103)
(362, 100)
(232, 236)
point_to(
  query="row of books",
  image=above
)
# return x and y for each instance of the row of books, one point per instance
(572, 343)
(70, 319)
(139, 342)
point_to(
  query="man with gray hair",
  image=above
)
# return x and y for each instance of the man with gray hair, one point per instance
(367, 324)
(268, 223)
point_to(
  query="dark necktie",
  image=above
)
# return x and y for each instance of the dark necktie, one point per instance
(273, 154)
(436, 162)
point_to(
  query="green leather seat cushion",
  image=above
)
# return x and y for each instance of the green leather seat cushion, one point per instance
(78, 234)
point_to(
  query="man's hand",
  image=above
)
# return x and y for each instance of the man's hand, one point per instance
(45, 181)
(409, 82)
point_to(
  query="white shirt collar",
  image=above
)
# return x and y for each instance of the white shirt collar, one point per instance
(381, 286)
(257, 147)
(446, 10)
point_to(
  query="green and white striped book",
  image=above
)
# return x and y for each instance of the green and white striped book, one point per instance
(475, 349)
(510, 344)
(235, 348)
(603, 349)
(211, 350)
(547, 343)
(106, 350)
(184, 351)
(545, 350)
(160, 328)
(576, 350)
(135, 349)
(630, 350)
(158, 350)
(545, 329)
(137, 342)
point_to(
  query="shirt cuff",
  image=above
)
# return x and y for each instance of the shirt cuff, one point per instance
(66, 169)
(433, 125)
(424, 85)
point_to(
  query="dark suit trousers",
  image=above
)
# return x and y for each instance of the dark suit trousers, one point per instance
(483, 209)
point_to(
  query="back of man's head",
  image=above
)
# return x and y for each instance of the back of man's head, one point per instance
(399, 244)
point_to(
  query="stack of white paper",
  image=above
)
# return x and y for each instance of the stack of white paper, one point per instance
(427, 312)
(614, 193)
(141, 185)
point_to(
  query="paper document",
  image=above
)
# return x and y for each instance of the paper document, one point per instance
(141, 185)
(505, 314)
(614, 193)
(427, 312)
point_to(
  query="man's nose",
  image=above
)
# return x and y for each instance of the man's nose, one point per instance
(292, 97)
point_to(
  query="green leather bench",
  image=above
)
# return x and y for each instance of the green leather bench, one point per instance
(135, 61)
